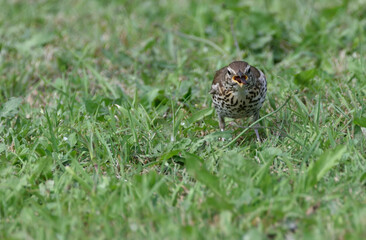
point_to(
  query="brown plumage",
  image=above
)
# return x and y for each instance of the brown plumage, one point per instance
(238, 90)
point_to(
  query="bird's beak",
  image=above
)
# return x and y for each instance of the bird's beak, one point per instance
(240, 79)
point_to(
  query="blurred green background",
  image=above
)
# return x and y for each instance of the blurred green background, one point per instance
(107, 128)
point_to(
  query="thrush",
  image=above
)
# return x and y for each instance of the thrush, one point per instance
(238, 90)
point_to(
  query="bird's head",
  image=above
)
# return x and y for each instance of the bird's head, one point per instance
(239, 75)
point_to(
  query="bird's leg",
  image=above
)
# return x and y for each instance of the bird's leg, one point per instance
(256, 117)
(221, 123)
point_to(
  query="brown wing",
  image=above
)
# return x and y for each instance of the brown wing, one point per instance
(255, 72)
(218, 79)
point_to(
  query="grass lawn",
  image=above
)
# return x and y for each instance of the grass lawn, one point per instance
(107, 130)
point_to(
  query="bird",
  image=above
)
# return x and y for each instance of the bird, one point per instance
(238, 90)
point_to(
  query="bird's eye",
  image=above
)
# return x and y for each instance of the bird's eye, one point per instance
(248, 71)
(228, 72)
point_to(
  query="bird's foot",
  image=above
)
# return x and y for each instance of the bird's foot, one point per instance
(257, 134)
(222, 138)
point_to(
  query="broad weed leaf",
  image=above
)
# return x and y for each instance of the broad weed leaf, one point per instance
(199, 115)
(360, 121)
(10, 108)
(305, 78)
(326, 161)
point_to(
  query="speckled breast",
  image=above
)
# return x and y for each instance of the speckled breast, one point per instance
(238, 105)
